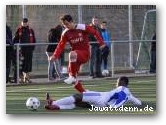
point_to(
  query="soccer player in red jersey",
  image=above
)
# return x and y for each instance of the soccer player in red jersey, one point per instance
(77, 35)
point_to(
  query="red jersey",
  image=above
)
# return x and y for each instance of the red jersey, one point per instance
(78, 39)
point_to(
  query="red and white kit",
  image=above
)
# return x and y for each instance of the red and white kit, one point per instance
(78, 39)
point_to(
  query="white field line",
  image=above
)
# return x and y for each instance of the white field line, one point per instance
(26, 90)
(66, 87)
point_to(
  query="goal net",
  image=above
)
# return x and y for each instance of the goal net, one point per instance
(148, 30)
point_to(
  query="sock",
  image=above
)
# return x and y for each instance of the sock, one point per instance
(73, 68)
(71, 106)
(78, 86)
(64, 101)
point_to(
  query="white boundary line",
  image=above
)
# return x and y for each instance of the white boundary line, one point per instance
(58, 88)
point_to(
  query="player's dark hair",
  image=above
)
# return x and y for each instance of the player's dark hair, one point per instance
(123, 81)
(66, 18)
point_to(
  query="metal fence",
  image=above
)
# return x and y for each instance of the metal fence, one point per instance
(118, 59)
(44, 17)
(125, 23)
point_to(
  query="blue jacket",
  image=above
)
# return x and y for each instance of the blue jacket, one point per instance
(106, 37)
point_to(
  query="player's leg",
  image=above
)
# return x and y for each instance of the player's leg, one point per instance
(79, 102)
(76, 58)
(73, 63)
(68, 102)
(72, 68)
(78, 86)
(82, 58)
(71, 102)
(63, 103)
(49, 105)
(93, 98)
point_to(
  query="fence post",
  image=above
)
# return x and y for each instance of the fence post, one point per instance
(24, 11)
(80, 13)
(17, 49)
(112, 59)
(130, 36)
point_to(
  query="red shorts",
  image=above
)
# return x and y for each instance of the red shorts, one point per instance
(82, 56)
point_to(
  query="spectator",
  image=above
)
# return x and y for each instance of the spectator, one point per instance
(107, 39)
(25, 35)
(53, 37)
(153, 55)
(9, 51)
(95, 55)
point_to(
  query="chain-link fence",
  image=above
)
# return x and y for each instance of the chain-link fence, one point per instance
(44, 17)
(119, 20)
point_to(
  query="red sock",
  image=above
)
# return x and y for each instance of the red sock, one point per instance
(78, 86)
(73, 68)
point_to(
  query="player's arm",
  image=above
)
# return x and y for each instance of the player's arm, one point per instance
(135, 100)
(59, 49)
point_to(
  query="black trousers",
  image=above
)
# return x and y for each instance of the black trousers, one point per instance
(95, 61)
(104, 60)
(26, 60)
(9, 52)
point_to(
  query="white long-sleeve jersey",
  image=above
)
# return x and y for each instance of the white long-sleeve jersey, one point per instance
(114, 98)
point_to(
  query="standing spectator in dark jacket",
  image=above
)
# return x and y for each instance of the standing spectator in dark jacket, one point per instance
(9, 51)
(153, 55)
(54, 36)
(95, 55)
(25, 35)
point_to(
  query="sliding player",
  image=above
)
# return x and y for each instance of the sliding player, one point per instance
(114, 98)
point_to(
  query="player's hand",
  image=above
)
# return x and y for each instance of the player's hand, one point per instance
(52, 58)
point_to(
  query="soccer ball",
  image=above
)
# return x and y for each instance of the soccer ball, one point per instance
(105, 72)
(32, 103)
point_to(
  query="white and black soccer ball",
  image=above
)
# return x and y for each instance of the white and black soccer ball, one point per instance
(105, 72)
(32, 103)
